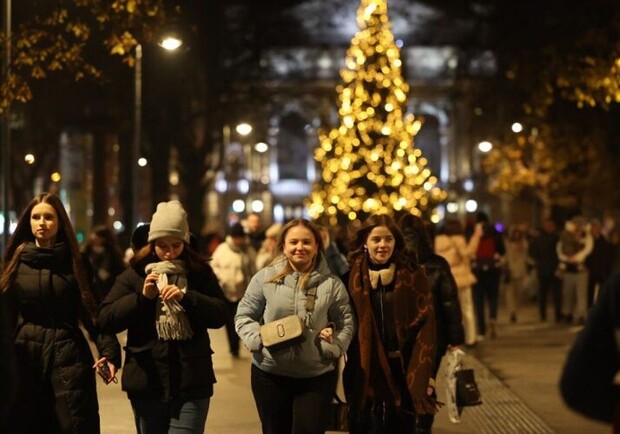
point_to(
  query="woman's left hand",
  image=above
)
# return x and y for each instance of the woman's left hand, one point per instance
(326, 334)
(431, 386)
(98, 366)
(171, 292)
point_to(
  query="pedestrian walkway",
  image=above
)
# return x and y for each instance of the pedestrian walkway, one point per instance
(517, 374)
(502, 410)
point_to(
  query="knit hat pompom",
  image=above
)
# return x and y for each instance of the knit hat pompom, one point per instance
(169, 220)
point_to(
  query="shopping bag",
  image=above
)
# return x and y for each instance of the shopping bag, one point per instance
(453, 361)
(467, 392)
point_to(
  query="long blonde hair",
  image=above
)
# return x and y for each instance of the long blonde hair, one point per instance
(287, 269)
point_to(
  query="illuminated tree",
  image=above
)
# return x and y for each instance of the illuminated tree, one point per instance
(369, 164)
(56, 38)
(548, 163)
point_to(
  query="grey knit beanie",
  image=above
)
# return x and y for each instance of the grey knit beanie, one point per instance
(170, 220)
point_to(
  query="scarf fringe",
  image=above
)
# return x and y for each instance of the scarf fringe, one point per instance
(171, 321)
(174, 327)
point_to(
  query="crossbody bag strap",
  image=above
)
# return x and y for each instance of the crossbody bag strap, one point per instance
(310, 299)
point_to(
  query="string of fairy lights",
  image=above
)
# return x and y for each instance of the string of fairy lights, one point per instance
(369, 164)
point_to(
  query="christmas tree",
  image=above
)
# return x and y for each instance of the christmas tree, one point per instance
(369, 164)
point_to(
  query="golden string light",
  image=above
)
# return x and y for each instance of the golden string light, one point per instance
(369, 162)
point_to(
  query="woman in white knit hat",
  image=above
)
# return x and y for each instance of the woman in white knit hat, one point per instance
(166, 301)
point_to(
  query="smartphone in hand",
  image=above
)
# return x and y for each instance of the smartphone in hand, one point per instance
(104, 372)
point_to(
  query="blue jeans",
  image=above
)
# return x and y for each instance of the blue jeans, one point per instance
(153, 416)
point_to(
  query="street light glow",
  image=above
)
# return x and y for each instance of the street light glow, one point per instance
(261, 147)
(471, 205)
(55, 177)
(468, 185)
(485, 146)
(142, 162)
(238, 205)
(170, 43)
(29, 159)
(516, 127)
(244, 129)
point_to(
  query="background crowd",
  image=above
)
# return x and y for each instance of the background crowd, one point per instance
(170, 286)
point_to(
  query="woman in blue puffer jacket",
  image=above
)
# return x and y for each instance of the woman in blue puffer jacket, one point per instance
(293, 386)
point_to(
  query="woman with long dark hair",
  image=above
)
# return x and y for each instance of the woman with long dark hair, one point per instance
(388, 377)
(47, 296)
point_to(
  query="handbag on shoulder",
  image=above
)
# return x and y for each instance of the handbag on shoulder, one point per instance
(287, 331)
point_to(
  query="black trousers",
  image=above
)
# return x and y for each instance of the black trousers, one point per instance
(486, 290)
(383, 417)
(549, 283)
(288, 405)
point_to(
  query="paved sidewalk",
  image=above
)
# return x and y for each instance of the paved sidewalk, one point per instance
(517, 374)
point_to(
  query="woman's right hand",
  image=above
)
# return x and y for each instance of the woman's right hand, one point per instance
(150, 290)
(326, 334)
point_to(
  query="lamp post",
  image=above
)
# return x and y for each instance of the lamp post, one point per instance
(6, 132)
(169, 43)
(137, 138)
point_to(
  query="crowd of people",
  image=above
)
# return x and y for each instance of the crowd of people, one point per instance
(392, 299)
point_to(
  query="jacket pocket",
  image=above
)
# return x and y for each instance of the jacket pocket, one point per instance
(196, 365)
(140, 373)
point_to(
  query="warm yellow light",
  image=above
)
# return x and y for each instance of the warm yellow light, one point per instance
(485, 146)
(55, 177)
(261, 147)
(243, 128)
(369, 163)
(171, 43)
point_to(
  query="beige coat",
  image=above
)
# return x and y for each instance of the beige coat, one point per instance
(459, 255)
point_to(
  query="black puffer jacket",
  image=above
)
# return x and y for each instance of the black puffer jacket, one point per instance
(53, 356)
(165, 369)
(448, 314)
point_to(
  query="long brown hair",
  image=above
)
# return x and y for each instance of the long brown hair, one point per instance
(373, 221)
(279, 255)
(23, 235)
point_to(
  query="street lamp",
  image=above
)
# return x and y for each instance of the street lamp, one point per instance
(169, 43)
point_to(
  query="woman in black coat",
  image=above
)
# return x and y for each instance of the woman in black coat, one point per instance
(166, 300)
(46, 295)
(448, 317)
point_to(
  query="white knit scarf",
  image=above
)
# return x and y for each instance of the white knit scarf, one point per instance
(171, 321)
